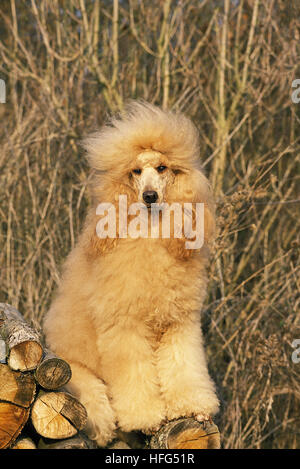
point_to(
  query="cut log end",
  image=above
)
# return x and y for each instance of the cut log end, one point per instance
(186, 434)
(53, 373)
(58, 415)
(25, 356)
(24, 443)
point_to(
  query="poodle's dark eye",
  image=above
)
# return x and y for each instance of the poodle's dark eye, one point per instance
(137, 171)
(177, 171)
(161, 168)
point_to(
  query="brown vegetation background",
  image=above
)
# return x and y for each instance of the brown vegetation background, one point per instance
(229, 65)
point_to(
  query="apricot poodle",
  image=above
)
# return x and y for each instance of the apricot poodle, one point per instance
(127, 312)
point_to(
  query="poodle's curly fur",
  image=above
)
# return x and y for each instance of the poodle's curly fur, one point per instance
(127, 313)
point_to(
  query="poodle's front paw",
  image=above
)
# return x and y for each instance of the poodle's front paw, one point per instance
(203, 417)
(193, 405)
(145, 418)
(100, 424)
(148, 424)
(156, 428)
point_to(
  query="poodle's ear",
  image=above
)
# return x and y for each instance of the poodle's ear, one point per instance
(106, 219)
(95, 245)
(191, 186)
(209, 222)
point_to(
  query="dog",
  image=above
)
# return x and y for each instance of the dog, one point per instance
(126, 315)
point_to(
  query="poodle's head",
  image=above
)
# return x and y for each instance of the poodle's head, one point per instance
(151, 156)
(149, 153)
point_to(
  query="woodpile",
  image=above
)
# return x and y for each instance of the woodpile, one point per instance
(35, 410)
(37, 413)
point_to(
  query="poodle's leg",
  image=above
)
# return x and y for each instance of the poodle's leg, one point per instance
(127, 364)
(92, 393)
(184, 379)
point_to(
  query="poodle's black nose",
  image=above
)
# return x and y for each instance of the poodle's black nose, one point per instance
(150, 197)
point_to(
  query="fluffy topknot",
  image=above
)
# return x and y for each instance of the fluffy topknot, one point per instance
(143, 126)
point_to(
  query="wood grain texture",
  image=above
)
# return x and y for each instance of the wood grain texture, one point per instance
(186, 433)
(52, 372)
(16, 387)
(24, 443)
(12, 420)
(57, 415)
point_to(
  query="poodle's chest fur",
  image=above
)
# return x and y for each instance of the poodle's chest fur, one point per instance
(140, 280)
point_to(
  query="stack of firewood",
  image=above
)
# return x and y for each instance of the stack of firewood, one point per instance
(35, 411)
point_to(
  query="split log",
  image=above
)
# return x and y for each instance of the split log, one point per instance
(58, 415)
(17, 393)
(79, 441)
(24, 443)
(53, 372)
(12, 420)
(16, 387)
(23, 342)
(186, 433)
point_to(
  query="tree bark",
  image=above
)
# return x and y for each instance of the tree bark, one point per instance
(79, 441)
(2, 351)
(23, 342)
